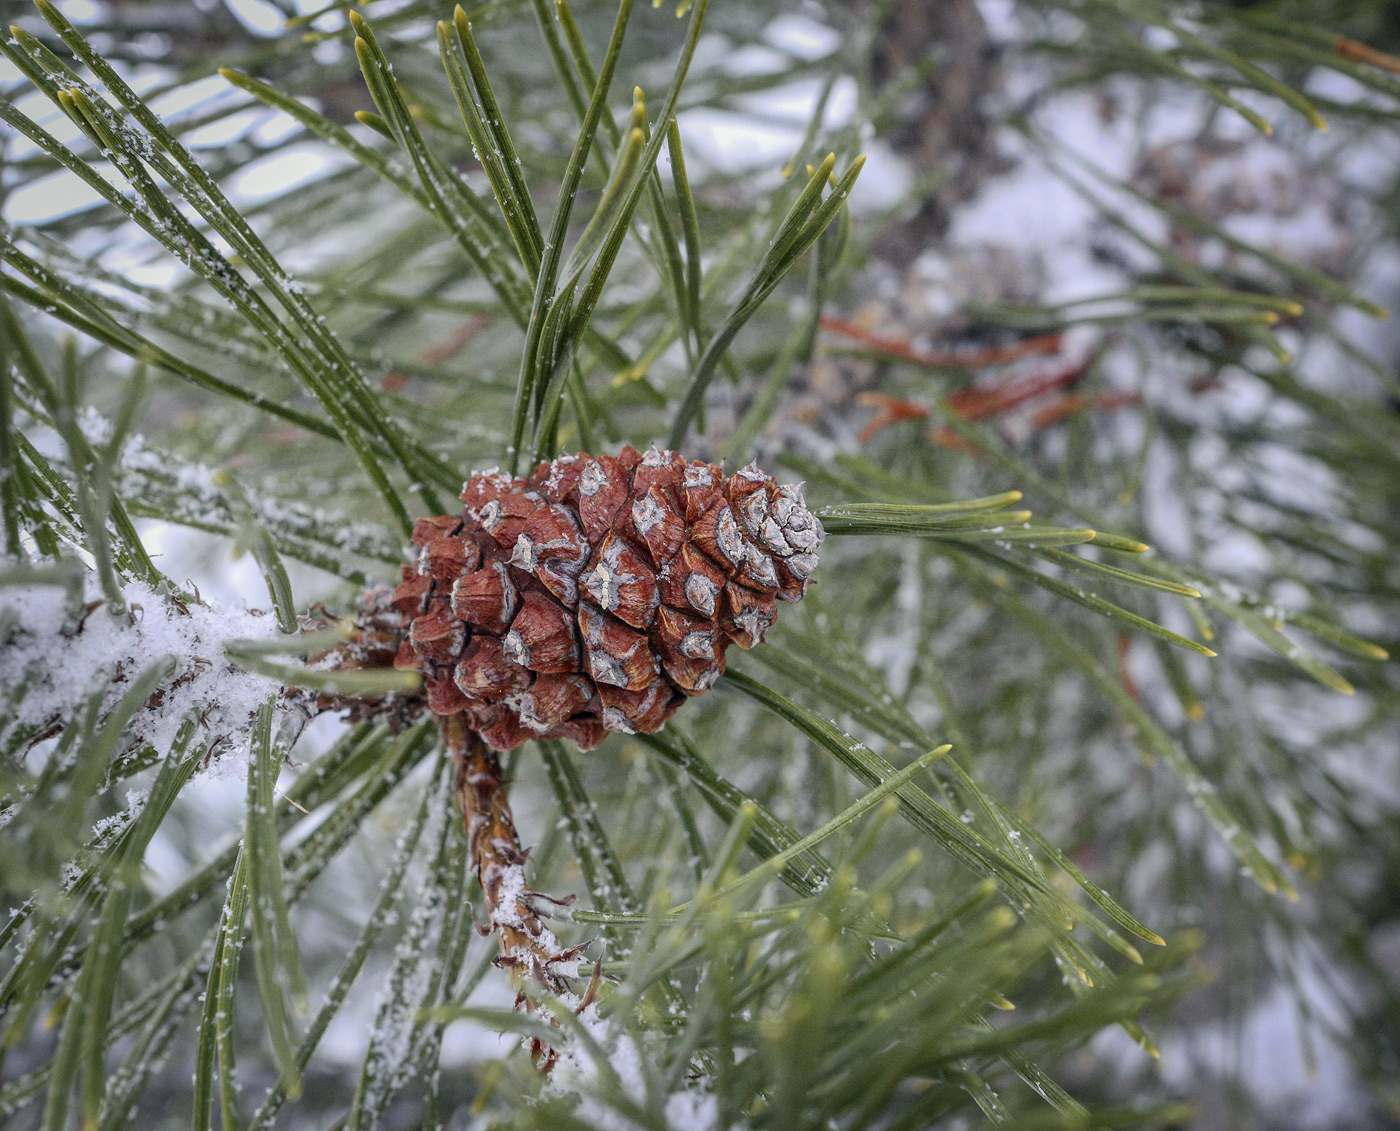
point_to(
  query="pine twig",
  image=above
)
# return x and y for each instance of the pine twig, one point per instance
(517, 913)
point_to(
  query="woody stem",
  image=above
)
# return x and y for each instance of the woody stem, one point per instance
(528, 947)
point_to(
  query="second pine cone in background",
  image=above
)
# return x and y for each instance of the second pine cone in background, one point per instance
(599, 593)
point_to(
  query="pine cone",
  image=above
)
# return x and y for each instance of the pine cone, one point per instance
(599, 593)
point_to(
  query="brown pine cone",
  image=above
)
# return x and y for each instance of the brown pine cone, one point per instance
(599, 593)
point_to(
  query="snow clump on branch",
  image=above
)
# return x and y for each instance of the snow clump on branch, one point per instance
(59, 648)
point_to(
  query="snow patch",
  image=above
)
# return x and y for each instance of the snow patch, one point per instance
(577, 1073)
(62, 661)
